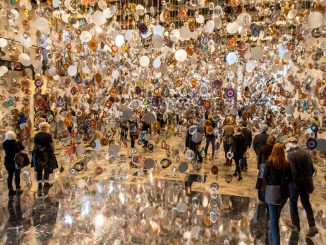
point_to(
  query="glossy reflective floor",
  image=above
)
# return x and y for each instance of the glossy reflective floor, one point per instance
(131, 206)
(158, 213)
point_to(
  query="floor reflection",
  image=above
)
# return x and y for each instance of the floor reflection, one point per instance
(160, 212)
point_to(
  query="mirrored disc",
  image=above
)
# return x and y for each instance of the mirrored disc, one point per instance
(183, 167)
(149, 163)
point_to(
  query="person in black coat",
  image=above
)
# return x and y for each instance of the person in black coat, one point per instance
(11, 146)
(260, 140)
(277, 173)
(301, 185)
(239, 149)
(146, 128)
(43, 158)
(248, 138)
(263, 156)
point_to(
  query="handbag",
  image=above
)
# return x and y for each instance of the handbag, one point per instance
(274, 194)
(21, 159)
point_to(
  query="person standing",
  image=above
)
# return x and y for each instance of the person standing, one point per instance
(248, 139)
(260, 140)
(228, 132)
(124, 131)
(43, 158)
(301, 185)
(210, 137)
(263, 156)
(11, 146)
(133, 130)
(146, 127)
(315, 125)
(239, 149)
(277, 173)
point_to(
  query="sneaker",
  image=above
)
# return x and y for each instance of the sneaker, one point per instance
(312, 231)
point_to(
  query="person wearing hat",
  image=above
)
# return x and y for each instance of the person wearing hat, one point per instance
(260, 140)
(43, 158)
(301, 184)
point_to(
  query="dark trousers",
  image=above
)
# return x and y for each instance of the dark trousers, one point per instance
(243, 161)
(132, 143)
(212, 141)
(42, 174)
(227, 148)
(237, 166)
(274, 217)
(11, 174)
(295, 192)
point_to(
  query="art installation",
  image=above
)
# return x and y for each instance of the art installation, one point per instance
(132, 90)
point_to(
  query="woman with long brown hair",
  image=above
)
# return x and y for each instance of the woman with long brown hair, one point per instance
(277, 174)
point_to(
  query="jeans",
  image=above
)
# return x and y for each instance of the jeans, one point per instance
(295, 192)
(212, 141)
(11, 174)
(42, 173)
(274, 216)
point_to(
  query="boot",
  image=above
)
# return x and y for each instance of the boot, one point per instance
(11, 193)
(19, 191)
(46, 188)
(312, 231)
(39, 190)
(239, 177)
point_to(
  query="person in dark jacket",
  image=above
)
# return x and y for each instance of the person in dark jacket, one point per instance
(277, 173)
(263, 156)
(146, 128)
(260, 140)
(43, 158)
(228, 132)
(133, 131)
(11, 146)
(248, 138)
(301, 185)
(190, 144)
(239, 149)
(210, 137)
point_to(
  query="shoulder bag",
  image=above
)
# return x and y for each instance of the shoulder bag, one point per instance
(274, 193)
